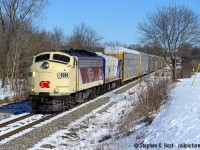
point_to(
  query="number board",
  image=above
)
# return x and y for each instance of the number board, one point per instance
(63, 75)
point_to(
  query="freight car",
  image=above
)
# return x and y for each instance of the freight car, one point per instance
(112, 71)
(130, 61)
(59, 79)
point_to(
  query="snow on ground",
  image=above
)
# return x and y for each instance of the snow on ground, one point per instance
(175, 127)
(18, 124)
(4, 93)
(12, 110)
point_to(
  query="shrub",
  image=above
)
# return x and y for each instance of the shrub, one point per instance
(17, 98)
(151, 99)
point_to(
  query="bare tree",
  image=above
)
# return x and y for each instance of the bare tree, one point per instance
(186, 50)
(58, 38)
(195, 51)
(14, 15)
(84, 37)
(169, 28)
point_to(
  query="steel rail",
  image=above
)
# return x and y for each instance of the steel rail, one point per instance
(16, 119)
(27, 126)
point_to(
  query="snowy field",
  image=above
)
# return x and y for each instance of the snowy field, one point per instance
(175, 127)
(13, 110)
(4, 93)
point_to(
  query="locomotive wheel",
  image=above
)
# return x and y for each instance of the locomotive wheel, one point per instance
(33, 104)
(93, 93)
(70, 102)
(69, 105)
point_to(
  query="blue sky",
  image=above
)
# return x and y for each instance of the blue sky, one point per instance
(113, 20)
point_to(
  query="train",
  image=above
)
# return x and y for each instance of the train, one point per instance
(58, 79)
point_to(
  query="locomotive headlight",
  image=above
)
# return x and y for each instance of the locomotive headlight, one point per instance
(45, 65)
(32, 90)
(56, 91)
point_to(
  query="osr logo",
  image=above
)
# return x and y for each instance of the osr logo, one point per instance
(44, 84)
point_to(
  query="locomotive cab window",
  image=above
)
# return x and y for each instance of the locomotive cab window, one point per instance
(62, 58)
(42, 57)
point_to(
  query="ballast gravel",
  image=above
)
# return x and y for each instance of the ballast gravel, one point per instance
(28, 140)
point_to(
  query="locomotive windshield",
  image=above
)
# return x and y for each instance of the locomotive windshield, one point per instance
(42, 57)
(61, 58)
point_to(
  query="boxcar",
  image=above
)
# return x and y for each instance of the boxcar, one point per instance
(130, 61)
(111, 68)
(151, 63)
(156, 62)
(162, 62)
(144, 63)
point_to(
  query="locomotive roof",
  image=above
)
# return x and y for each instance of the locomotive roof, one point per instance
(107, 56)
(79, 52)
(119, 50)
(74, 52)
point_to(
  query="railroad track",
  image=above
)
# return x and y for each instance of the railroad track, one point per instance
(13, 132)
(16, 119)
(22, 128)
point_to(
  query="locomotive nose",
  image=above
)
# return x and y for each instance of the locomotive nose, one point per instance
(50, 78)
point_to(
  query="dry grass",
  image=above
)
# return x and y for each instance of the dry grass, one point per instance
(152, 99)
(6, 100)
(127, 123)
(17, 98)
(4, 115)
(187, 70)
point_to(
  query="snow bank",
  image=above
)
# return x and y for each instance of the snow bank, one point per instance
(177, 126)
